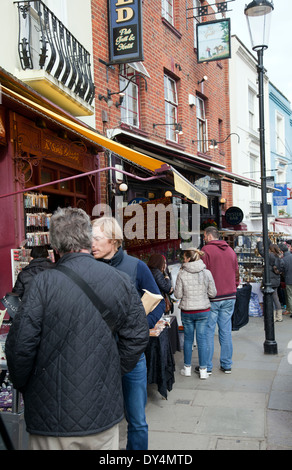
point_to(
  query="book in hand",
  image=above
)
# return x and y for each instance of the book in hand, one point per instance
(150, 301)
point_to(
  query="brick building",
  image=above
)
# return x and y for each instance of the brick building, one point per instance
(167, 86)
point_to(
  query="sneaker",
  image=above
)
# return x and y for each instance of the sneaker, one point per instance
(197, 370)
(226, 371)
(204, 374)
(186, 371)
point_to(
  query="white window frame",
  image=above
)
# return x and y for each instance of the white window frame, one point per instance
(281, 166)
(280, 134)
(251, 109)
(168, 10)
(202, 136)
(171, 106)
(130, 109)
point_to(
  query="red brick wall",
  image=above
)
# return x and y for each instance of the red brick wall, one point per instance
(165, 46)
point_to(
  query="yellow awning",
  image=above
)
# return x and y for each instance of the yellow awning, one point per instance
(181, 184)
(136, 157)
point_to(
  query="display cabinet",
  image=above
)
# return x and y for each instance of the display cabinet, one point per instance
(250, 262)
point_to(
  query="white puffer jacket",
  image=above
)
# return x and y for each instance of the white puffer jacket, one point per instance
(194, 285)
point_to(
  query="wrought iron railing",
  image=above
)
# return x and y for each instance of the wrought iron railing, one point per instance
(45, 43)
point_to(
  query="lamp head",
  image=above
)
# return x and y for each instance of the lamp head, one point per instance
(258, 19)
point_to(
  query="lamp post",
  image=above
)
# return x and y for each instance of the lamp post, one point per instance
(258, 18)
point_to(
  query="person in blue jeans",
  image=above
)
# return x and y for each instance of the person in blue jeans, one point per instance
(194, 286)
(221, 260)
(221, 314)
(107, 247)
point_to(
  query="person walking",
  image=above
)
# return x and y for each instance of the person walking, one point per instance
(157, 265)
(286, 267)
(275, 267)
(65, 354)
(194, 286)
(107, 248)
(221, 260)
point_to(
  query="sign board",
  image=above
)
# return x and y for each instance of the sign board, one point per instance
(125, 31)
(233, 216)
(280, 198)
(213, 40)
(138, 200)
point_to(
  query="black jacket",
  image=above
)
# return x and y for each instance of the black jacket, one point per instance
(163, 283)
(273, 261)
(62, 355)
(25, 276)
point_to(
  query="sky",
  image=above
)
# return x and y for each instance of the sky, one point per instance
(277, 58)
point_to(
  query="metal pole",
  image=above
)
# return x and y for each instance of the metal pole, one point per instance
(270, 345)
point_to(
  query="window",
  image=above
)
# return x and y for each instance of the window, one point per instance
(170, 97)
(254, 165)
(130, 103)
(281, 166)
(251, 109)
(280, 134)
(167, 10)
(201, 125)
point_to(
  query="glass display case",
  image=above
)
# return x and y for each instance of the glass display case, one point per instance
(250, 262)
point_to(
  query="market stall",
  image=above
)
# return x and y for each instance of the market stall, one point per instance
(250, 262)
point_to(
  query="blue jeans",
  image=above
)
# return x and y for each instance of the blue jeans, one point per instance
(221, 314)
(199, 322)
(135, 399)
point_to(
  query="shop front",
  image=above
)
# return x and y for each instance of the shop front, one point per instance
(34, 152)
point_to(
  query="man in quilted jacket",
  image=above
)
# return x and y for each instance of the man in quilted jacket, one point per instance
(65, 355)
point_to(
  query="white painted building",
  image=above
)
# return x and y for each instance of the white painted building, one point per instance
(40, 44)
(244, 119)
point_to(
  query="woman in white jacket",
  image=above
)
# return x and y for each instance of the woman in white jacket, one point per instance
(194, 285)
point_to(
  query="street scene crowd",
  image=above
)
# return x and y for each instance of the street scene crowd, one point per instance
(75, 349)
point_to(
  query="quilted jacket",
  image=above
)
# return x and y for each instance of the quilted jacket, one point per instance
(62, 355)
(25, 276)
(194, 285)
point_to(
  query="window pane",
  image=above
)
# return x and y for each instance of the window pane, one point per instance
(170, 96)
(130, 104)
(201, 125)
(167, 10)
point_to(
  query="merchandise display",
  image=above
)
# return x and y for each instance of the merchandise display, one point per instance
(37, 220)
(250, 263)
(20, 257)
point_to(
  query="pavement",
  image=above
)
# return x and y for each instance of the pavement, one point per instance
(249, 409)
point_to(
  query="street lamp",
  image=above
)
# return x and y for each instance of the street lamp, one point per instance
(258, 19)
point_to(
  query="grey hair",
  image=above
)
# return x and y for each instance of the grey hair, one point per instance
(111, 229)
(70, 230)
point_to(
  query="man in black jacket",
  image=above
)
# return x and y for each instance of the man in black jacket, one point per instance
(63, 355)
(40, 261)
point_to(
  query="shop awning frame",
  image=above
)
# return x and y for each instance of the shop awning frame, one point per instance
(152, 164)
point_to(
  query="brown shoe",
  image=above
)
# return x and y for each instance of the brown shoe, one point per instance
(286, 313)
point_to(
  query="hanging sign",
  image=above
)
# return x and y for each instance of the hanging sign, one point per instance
(233, 215)
(213, 40)
(125, 31)
(280, 197)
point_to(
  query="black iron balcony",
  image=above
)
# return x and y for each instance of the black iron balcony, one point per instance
(45, 43)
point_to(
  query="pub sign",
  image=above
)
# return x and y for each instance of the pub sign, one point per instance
(125, 31)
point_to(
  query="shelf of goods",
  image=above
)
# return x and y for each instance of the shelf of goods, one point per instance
(37, 219)
(250, 262)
